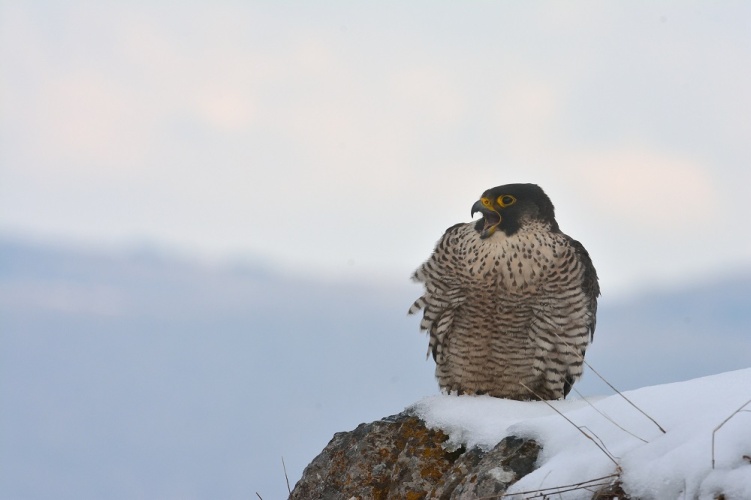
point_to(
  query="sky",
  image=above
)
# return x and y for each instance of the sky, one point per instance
(340, 139)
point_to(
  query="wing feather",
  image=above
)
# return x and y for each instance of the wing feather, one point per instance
(443, 294)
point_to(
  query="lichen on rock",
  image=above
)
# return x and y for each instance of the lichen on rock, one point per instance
(399, 457)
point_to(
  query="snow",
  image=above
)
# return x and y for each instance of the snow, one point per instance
(676, 464)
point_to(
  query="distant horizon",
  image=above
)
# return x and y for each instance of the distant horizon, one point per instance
(267, 264)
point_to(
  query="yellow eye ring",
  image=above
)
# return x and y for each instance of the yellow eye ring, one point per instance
(505, 200)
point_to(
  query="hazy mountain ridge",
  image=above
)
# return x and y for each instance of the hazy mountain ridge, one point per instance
(147, 376)
(132, 272)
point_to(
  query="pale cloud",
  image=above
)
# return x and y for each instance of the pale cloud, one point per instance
(227, 109)
(431, 94)
(527, 112)
(89, 124)
(650, 189)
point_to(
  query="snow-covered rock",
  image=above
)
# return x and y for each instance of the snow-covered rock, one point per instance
(674, 441)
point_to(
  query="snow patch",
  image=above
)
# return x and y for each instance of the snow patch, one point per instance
(651, 464)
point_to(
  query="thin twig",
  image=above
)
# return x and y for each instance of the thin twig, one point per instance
(608, 418)
(259, 496)
(723, 423)
(599, 440)
(560, 489)
(580, 356)
(285, 476)
(624, 397)
(572, 423)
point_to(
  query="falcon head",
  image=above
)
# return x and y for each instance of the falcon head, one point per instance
(510, 207)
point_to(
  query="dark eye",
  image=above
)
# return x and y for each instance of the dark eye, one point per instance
(506, 200)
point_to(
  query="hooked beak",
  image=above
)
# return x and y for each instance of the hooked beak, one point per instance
(490, 221)
(477, 207)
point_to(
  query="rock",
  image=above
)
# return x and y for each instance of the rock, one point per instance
(399, 457)
(510, 460)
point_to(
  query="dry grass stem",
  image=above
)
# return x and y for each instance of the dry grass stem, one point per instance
(285, 476)
(554, 490)
(624, 397)
(607, 417)
(602, 448)
(579, 355)
(736, 412)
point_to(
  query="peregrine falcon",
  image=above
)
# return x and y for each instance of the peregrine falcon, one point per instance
(510, 301)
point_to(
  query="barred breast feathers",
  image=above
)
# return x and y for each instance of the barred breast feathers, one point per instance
(534, 261)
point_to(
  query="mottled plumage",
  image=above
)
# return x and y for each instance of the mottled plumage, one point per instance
(510, 301)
